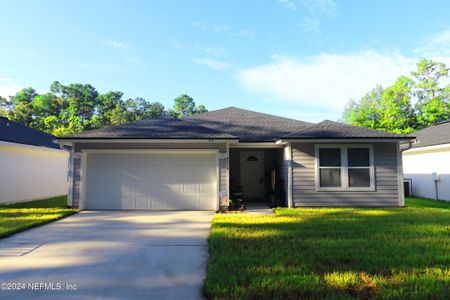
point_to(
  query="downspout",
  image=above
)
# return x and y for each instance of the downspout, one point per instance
(289, 183)
(228, 170)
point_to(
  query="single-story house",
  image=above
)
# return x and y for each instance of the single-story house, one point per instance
(427, 164)
(194, 162)
(32, 165)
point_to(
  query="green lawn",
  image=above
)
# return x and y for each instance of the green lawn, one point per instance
(21, 216)
(332, 253)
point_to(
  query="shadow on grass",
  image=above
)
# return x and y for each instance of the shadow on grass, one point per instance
(18, 217)
(331, 253)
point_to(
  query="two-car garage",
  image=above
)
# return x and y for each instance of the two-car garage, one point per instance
(150, 179)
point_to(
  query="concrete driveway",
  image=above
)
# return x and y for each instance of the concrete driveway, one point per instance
(108, 255)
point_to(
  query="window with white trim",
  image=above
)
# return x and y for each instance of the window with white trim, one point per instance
(344, 167)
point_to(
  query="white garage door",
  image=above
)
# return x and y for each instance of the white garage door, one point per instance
(151, 180)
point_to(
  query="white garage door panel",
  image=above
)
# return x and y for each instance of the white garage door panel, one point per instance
(151, 181)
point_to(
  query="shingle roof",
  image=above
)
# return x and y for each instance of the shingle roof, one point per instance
(231, 123)
(335, 130)
(157, 128)
(227, 123)
(248, 125)
(14, 132)
(433, 135)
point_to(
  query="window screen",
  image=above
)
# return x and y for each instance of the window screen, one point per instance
(330, 167)
(358, 167)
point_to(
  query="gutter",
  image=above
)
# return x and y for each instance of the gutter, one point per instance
(30, 147)
(408, 146)
(71, 141)
(344, 140)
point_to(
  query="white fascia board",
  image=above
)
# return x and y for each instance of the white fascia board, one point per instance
(121, 141)
(348, 140)
(256, 145)
(149, 151)
(32, 147)
(428, 149)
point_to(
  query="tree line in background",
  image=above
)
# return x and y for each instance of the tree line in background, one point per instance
(409, 104)
(78, 107)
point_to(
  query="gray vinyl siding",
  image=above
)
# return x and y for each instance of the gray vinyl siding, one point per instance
(80, 146)
(386, 180)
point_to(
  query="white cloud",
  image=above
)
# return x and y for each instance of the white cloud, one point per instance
(326, 81)
(9, 86)
(134, 60)
(178, 45)
(216, 51)
(314, 11)
(102, 67)
(200, 25)
(21, 52)
(437, 46)
(326, 8)
(223, 29)
(244, 32)
(310, 24)
(213, 64)
(115, 44)
(288, 4)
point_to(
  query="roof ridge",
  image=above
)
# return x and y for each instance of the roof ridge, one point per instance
(247, 110)
(208, 112)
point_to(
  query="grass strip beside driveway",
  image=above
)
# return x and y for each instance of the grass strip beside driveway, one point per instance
(21, 216)
(332, 253)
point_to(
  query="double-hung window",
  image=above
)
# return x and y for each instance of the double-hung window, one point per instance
(345, 167)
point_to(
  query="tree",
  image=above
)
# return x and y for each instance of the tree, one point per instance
(184, 106)
(391, 109)
(77, 107)
(81, 100)
(2, 110)
(396, 111)
(433, 104)
(200, 109)
(19, 106)
(139, 109)
(106, 105)
(366, 111)
(45, 110)
(119, 115)
(387, 109)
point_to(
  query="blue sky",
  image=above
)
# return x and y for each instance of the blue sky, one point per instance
(296, 58)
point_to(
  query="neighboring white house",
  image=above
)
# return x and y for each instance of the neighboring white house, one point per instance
(427, 164)
(32, 166)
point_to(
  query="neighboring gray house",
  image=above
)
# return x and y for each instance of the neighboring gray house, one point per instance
(427, 163)
(191, 163)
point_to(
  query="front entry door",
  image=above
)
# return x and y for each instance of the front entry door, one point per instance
(252, 174)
